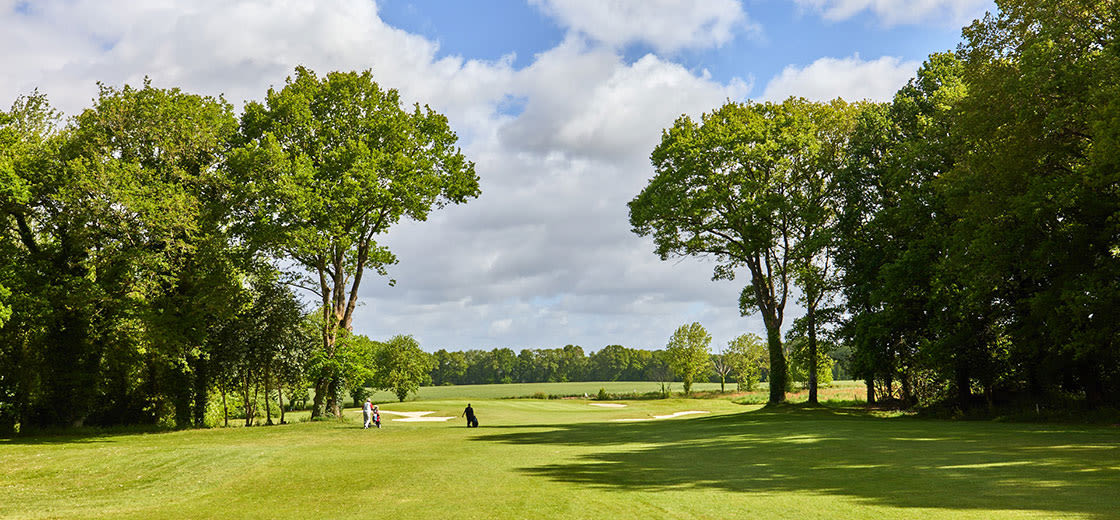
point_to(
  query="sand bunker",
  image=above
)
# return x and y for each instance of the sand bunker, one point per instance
(670, 416)
(417, 416)
(608, 405)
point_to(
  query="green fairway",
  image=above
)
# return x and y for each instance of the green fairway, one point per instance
(570, 459)
(841, 389)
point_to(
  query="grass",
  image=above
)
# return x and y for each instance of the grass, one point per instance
(566, 459)
(846, 389)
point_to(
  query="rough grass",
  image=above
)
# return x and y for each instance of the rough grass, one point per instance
(567, 459)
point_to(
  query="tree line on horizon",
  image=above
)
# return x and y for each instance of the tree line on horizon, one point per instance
(962, 239)
(742, 362)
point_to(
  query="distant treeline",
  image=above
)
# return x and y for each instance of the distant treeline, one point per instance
(570, 363)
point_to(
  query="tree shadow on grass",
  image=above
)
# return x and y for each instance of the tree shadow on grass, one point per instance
(80, 435)
(897, 462)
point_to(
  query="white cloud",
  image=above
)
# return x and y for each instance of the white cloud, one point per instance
(217, 47)
(588, 101)
(545, 256)
(894, 12)
(850, 78)
(665, 25)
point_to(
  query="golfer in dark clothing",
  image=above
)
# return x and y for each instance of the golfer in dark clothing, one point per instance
(472, 421)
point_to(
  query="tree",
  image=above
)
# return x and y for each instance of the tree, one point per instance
(1036, 197)
(721, 189)
(890, 236)
(721, 365)
(449, 367)
(747, 356)
(657, 369)
(401, 366)
(610, 362)
(108, 219)
(801, 361)
(687, 353)
(339, 161)
(814, 196)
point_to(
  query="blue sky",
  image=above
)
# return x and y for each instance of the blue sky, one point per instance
(558, 103)
(784, 35)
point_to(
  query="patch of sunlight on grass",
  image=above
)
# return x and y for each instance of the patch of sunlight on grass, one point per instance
(803, 439)
(989, 465)
(1074, 447)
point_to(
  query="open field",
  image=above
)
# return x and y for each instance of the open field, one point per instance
(849, 390)
(569, 459)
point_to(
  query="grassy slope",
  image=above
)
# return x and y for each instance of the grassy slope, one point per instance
(565, 459)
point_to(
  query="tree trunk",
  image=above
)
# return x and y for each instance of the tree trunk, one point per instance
(201, 389)
(332, 399)
(963, 382)
(318, 407)
(280, 399)
(245, 400)
(870, 390)
(777, 374)
(812, 316)
(225, 406)
(907, 391)
(267, 394)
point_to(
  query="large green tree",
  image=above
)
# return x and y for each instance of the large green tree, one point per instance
(890, 234)
(401, 366)
(107, 219)
(687, 353)
(337, 161)
(1038, 198)
(814, 195)
(725, 188)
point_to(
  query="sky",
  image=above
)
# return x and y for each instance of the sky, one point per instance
(557, 102)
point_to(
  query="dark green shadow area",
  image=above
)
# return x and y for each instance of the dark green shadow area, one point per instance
(82, 435)
(900, 462)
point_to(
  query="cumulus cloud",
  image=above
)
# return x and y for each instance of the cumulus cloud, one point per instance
(895, 12)
(588, 101)
(665, 25)
(850, 78)
(217, 47)
(545, 256)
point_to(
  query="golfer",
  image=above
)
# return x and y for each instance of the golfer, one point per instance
(472, 421)
(367, 413)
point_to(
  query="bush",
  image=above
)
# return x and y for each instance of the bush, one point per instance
(602, 394)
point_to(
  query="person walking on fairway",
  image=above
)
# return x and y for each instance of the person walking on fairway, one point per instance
(367, 414)
(472, 421)
(376, 416)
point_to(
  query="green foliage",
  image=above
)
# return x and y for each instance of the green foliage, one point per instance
(335, 162)
(978, 232)
(800, 362)
(401, 366)
(748, 186)
(747, 355)
(687, 353)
